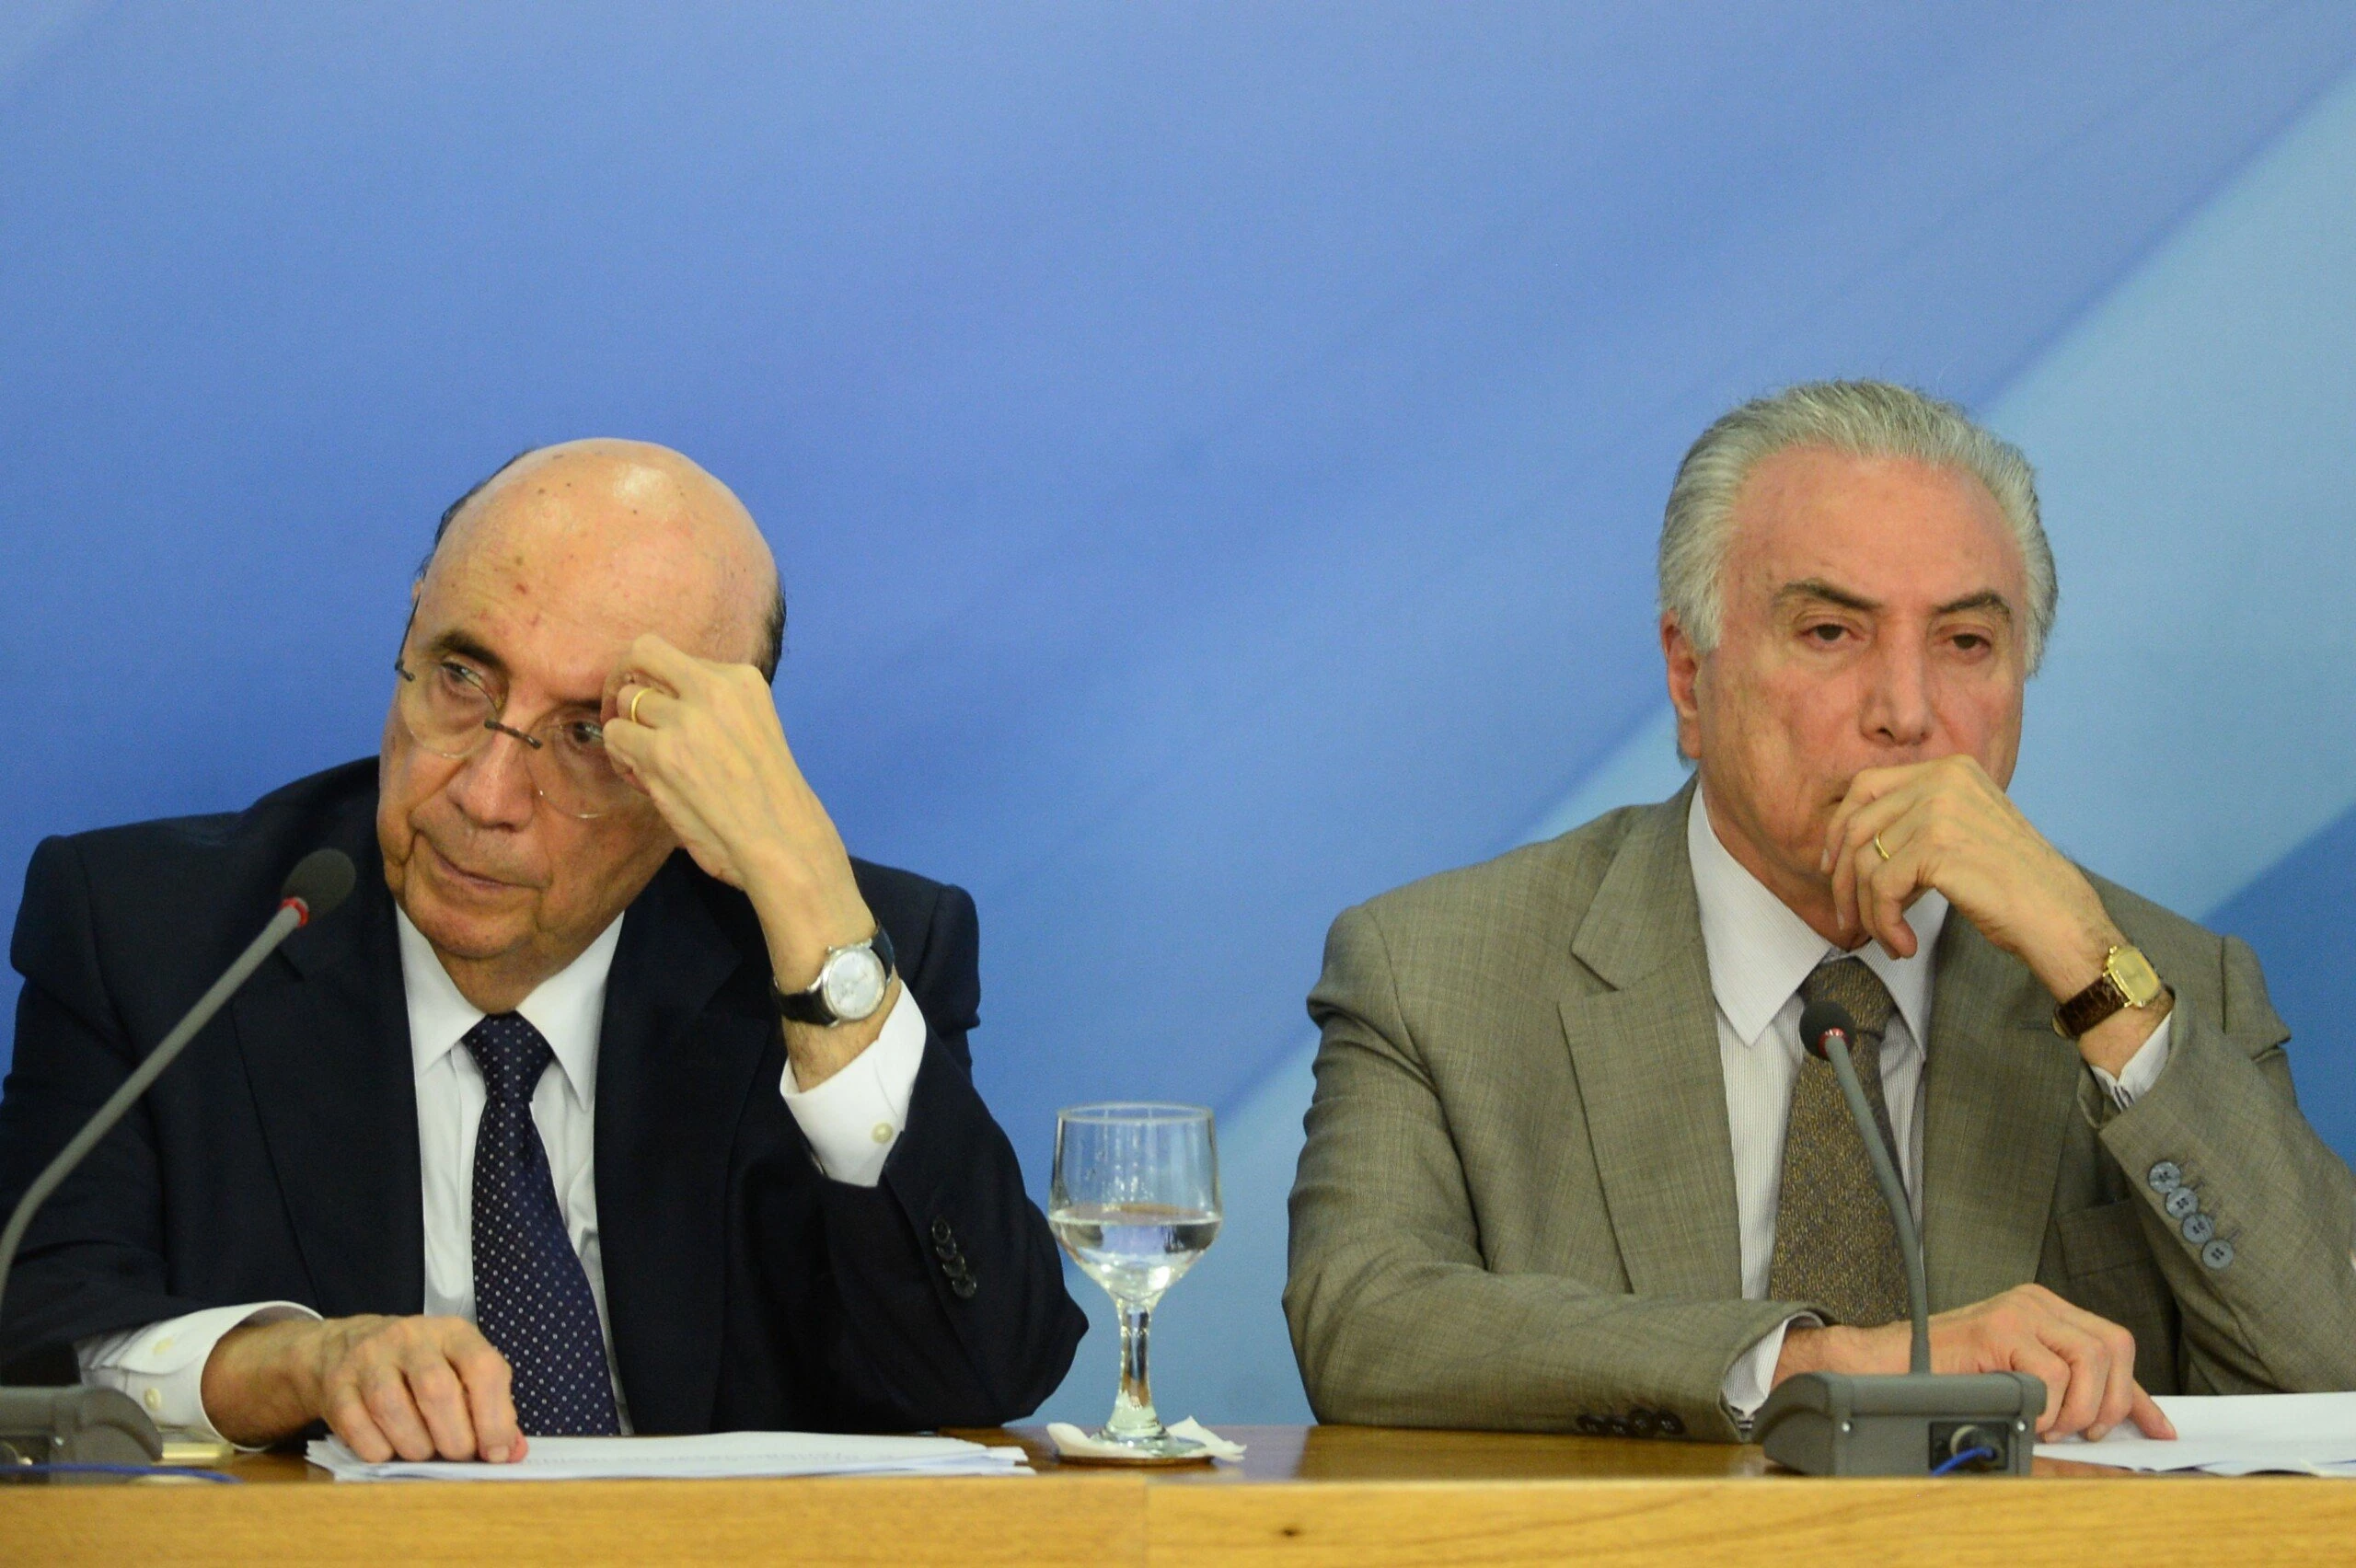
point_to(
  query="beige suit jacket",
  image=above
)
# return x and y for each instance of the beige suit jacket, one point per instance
(1516, 1207)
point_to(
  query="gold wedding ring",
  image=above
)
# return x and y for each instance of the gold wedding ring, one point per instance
(641, 697)
(1878, 843)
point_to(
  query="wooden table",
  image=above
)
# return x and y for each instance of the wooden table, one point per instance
(1338, 1495)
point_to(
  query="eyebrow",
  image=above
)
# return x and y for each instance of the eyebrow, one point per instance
(466, 647)
(1817, 588)
(1986, 599)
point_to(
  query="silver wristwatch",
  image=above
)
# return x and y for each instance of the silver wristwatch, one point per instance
(850, 986)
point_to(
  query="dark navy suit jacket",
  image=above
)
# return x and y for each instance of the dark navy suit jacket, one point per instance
(278, 1158)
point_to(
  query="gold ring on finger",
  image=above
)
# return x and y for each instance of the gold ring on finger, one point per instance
(1879, 844)
(641, 697)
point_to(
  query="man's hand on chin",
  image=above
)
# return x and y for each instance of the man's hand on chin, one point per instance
(2087, 1363)
(412, 1388)
(1945, 825)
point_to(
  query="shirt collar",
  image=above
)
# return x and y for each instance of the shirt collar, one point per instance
(568, 1008)
(1758, 950)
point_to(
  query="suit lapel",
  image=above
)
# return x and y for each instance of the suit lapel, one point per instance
(674, 1070)
(324, 1033)
(1646, 1056)
(1999, 1089)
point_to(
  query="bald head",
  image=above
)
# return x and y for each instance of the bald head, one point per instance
(651, 517)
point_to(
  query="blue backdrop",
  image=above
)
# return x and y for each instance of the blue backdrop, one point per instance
(1214, 451)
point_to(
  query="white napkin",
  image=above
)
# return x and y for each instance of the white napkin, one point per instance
(1070, 1439)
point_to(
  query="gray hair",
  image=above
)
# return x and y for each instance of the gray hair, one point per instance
(1859, 418)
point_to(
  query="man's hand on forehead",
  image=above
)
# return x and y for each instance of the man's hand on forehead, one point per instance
(702, 739)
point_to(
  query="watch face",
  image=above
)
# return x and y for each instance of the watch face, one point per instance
(852, 984)
(2134, 973)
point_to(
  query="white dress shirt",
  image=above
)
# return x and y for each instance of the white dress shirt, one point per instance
(1759, 953)
(851, 1121)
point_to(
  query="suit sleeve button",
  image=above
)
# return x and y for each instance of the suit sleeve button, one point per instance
(1671, 1424)
(963, 1288)
(1590, 1425)
(1644, 1423)
(941, 1234)
(2218, 1253)
(2181, 1202)
(2198, 1229)
(2166, 1176)
(1618, 1426)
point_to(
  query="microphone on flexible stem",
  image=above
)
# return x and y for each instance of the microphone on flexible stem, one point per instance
(1826, 1029)
(1915, 1422)
(70, 1428)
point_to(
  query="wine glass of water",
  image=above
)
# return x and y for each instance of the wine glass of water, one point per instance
(1135, 1201)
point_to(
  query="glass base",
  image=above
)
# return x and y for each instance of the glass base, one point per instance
(1162, 1449)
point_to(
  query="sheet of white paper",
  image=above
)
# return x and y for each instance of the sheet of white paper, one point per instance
(2232, 1435)
(720, 1453)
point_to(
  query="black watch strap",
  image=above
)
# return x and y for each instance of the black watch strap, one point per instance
(810, 1006)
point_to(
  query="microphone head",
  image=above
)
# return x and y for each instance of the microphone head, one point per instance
(1821, 1017)
(320, 880)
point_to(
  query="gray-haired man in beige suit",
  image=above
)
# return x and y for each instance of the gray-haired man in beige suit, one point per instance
(1567, 1166)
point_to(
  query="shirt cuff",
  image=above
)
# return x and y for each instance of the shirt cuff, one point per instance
(1750, 1379)
(2143, 1069)
(854, 1118)
(162, 1365)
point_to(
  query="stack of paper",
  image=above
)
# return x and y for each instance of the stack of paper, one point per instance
(2233, 1435)
(720, 1453)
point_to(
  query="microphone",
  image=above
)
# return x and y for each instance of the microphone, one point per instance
(1826, 1029)
(1914, 1422)
(94, 1426)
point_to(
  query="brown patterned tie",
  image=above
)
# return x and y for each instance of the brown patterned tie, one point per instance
(1835, 1242)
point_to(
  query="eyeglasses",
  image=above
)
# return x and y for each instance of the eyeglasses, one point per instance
(452, 710)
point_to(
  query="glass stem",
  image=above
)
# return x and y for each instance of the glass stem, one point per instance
(1133, 1414)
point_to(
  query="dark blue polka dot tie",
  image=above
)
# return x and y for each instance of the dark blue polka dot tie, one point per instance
(532, 1295)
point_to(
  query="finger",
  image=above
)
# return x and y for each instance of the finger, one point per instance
(1870, 840)
(643, 706)
(1867, 790)
(2089, 1366)
(490, 1396)
(2119, 1392)
(682, 673)
(2050, 1369)
(1840, 835)
(1886, 890)
(2148, 1417)
(348, 1418)
(2121, 1396)
(623, 743)
(441, 1399)
(395, 1413)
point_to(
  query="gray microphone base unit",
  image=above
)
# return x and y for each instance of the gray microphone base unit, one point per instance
(1912, 1423)
(74, 1426)
(1902, 1423)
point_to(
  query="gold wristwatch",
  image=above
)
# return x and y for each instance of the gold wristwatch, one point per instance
(2128, 981)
